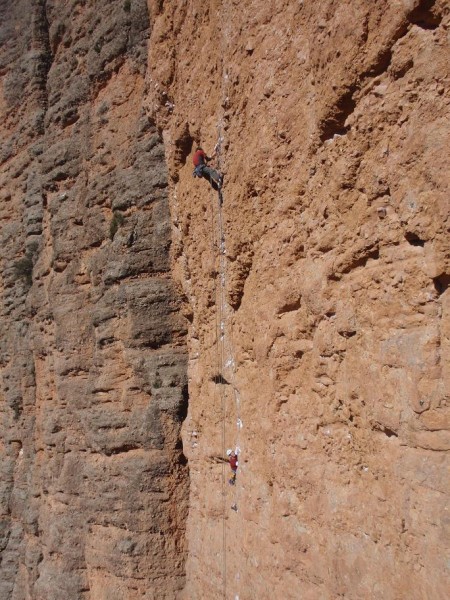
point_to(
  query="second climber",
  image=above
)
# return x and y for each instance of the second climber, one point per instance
(233, 460)
(200, 160)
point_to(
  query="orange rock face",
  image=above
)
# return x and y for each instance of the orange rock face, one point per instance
(313, 300)
(319, 336)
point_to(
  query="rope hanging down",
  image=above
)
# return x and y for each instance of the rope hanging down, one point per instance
(217, 245)
(225, 359)
(225, 346)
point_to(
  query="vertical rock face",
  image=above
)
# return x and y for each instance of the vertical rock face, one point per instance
(317, 299)
(93, 494)
(324, 326)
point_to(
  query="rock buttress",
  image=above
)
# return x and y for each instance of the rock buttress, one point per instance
(93, 495)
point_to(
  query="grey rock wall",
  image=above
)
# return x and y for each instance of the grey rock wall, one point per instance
(93, 484)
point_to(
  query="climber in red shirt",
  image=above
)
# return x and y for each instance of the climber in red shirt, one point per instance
(233, 460)
(200, 161)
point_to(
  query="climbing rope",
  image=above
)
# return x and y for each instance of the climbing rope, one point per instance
(226, 364)
(225, 361)
(225, 352)
(221, 340)
(217, 245)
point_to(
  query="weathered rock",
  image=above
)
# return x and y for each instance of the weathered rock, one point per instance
(318, 341)
(93, 494)
(334, 334)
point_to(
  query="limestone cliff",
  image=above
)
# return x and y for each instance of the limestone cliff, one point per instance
(306, 320)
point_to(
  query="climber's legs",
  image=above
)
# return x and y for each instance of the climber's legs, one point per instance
(213, 176)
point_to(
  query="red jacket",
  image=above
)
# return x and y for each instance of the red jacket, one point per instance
(199, 158)
(233, 463)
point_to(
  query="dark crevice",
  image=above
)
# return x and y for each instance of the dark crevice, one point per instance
(383, 59)
(381, 63)
(290, 307)
(106, 342)
(236, 295)
(183, 146)
(373, 255)
(414, 239)
(182, 460)
(347, 334)
(386, 430)
(334, 123)
(121, 449)
(41, 37)
(425, 16)
(182, 409)
(441, 283)
(389, 432)
(220, 379)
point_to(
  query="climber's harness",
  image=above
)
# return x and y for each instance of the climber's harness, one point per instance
(198, 171)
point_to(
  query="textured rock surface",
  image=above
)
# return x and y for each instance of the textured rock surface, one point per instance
(93, 494)
(324, 327)
(335, 127)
